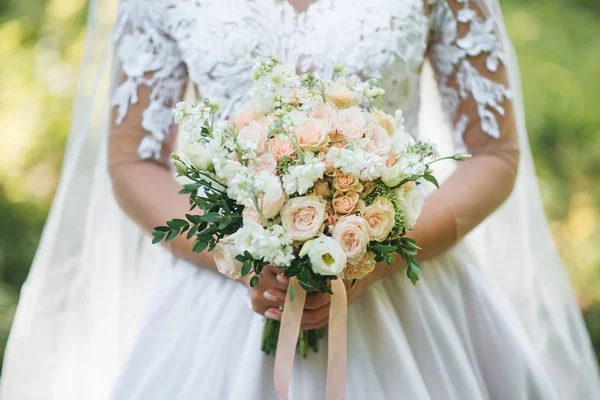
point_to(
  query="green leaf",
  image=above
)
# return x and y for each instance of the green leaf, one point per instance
(162, 228)
(292, 291)
(211, 217)
(431, 178)
(201, 246)
(158, 236)
(194, 218)
(240, 258)
(246, 267)
(172, 235)
(254, 281)
(383, 248)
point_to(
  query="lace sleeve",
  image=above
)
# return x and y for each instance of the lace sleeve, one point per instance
(466, 55)
(150, 57)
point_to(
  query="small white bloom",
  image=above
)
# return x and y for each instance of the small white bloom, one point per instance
(300, 178)
(326, 255)
(411, 165)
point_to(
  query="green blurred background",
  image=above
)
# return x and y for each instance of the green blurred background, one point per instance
(558, 42)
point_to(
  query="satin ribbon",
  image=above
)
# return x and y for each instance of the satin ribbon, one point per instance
(337, 341)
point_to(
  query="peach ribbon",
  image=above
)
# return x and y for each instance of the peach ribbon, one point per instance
(337, 341)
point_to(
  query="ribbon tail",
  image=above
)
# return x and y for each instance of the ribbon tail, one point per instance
(288, 338)
(337, 342)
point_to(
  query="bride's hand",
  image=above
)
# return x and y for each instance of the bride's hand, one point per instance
(269, 295)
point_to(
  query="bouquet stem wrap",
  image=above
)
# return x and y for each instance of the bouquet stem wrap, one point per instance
(337, 341)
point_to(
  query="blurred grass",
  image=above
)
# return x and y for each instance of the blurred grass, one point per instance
(558, 42)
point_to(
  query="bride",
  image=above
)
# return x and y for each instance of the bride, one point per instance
(104, 314)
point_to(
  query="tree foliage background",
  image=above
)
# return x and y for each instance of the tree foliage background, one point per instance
(558, 42)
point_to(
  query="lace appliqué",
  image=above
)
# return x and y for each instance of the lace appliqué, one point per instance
(145, 50)
(451, 54)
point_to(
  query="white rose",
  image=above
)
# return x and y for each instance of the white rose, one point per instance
(410, 203)
(393, 175)
(224, 255)
(325, 254)
(198, 156)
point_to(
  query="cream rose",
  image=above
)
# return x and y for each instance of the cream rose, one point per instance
(281, 149)
(303, 217)
(345, 203)
(352, 234)
(341, 96)
(351, 123)
(411, 203)
(362, 268)
(380, 217)
(313, 135)
(346, 182)
(265, 163)
(224, 255)
(199, 156)
(393, 175)
(271, 203)
(244, 118)
(378, 140)
(326, 112)
(326, 256)
(255, 135)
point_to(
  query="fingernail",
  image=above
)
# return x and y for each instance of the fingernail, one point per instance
(272, 315)
(269, 296)
(282, 279)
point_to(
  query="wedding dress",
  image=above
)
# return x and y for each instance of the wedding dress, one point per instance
(470, 329)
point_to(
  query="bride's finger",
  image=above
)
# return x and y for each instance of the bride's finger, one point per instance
(275, 295)
(316, 300)
(311, 317)
(273, 313)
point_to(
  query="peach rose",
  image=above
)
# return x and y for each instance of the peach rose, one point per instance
(303, 217)
(224, 255)
(367, 188)
(330, 216)
(313, 135)
(346, 182)
(362, 268)
(386, 121)
(345, 203)
(327, 113)
(250, 214)
(341, 96)
(352, 233)
(351, 123)
(267, 163)
(378, 140)
(245, 118)
(380, 217)
(255, 134)
(322, 188)
(281, 149)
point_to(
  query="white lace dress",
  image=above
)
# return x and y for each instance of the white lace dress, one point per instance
(454, 335)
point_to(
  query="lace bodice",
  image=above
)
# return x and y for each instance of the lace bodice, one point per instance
(215, 43)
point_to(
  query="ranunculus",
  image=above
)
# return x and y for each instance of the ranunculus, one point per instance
(341, 96)
(380, 217)
(245, 118)
(378, 140)
(327, 113)
(362, 268)
(224, 255)
(386, 121)
(199, 156)
(346, 182)
(265, 163)
(281, 149)
(352, 233)
(303, 217)
(322, 188)
(393, 175)
(410, 203)
(255, 135)
(313, 135)
(326, 256)
(351, 123)
(345, 203)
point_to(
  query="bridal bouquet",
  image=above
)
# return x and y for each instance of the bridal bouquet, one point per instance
(315, 179)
